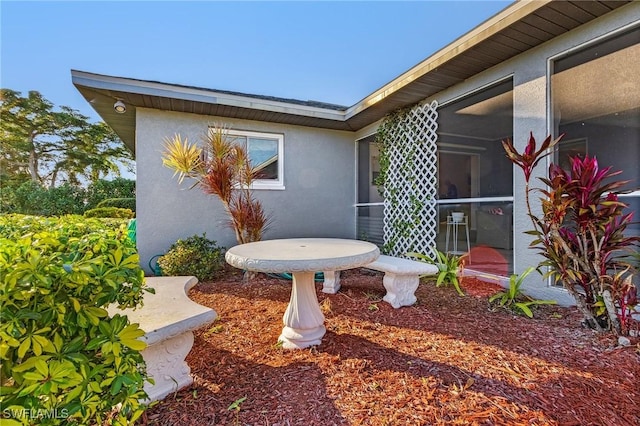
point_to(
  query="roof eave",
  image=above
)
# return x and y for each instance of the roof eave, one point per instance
(490, 27)
(102, 91)
(500, 38)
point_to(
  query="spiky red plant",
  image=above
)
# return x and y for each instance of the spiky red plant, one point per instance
(221, 168)
(581, 233)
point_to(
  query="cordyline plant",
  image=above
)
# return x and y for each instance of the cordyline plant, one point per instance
(221, 168)
(581, 235)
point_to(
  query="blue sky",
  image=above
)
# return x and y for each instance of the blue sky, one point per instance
(330, 51)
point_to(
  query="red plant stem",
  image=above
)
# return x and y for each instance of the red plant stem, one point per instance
(580, 302)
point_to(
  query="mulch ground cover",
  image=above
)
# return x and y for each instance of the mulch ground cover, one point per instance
(447, 360)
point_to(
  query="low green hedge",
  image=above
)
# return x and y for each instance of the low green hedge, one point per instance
(64, 359)
(121, 203)
(114, 212)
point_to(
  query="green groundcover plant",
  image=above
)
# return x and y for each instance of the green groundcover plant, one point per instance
(65, 360)
(449, 267)
(512, 298)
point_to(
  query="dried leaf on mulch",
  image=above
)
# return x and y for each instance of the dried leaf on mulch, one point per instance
(447, 360)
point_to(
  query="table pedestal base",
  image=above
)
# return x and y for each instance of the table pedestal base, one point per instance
(303, 319)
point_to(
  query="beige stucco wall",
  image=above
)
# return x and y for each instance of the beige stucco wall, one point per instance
(318, 199)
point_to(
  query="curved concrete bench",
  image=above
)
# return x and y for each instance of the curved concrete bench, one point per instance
(401, 278)
(168, 317)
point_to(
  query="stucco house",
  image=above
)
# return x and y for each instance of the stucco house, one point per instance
(547, 67)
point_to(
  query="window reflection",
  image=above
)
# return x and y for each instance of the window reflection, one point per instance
(472, 167)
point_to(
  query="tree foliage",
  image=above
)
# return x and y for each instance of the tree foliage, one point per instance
(34, 199)
(52, 147)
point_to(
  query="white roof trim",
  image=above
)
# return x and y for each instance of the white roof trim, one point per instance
(141, 87)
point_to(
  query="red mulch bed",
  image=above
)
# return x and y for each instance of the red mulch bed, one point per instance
(447, 360)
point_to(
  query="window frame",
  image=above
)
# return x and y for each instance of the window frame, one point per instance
(583, 54)
(269, 184)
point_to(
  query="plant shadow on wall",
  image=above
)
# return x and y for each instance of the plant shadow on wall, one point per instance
(221, 168)
(580, 234)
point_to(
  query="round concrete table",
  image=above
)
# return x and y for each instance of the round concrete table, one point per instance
(302, 257)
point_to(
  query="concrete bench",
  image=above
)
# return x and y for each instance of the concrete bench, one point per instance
(401, 278)
(168, 317)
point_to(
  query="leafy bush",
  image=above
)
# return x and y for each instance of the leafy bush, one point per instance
(8, 185)
(114, 212)
(195, 256)
(62, 355)
(121, 203)
(513, 298)
(104, 189)
(34, 199)
(31, 198)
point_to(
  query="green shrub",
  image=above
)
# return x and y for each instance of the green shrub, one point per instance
(121, 203)
(14, 226)
(34, 199)
(103, 189)
(9, 183)
(195, 256)
(113, 212)
(62, 355)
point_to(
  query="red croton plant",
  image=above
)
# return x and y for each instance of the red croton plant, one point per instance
(580, 234)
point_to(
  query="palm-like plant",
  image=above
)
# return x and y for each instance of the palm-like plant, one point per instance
(512, 298)
(449, 267)
(221, 168)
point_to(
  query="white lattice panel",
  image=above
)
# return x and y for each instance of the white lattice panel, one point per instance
(410, 215)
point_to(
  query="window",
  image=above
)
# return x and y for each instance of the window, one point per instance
(266, 155)
(596, 104)
(571, 148)
(470, 134)
(475, 177)
(370, 210)
(595, 93)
